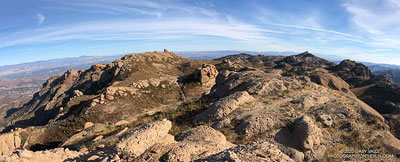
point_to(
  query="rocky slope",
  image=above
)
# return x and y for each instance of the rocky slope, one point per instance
(162, 107)
(393, 74)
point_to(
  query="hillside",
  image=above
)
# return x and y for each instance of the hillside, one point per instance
(159, 106)
(393, 74)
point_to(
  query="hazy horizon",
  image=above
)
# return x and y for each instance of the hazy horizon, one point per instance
(36, 30)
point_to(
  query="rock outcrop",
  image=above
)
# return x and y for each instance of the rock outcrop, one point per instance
(54, 155)
(9, 142)
(191, 145)
(307, 134)
(255, 151)
(333, 82)
(206, 74)
(224, 107)
(139, 140)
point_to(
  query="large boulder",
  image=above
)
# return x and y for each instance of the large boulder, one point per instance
(9, 142)
(202, 133)
(206, 74)
(332, 82)
(256, 124)
(255, 151)
(306, 133)
(224, 106)
(139, 140)
(192, 144)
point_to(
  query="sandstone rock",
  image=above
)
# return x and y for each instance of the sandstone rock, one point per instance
(97, 138)
(78, 93)
(296, 155)
(93, 104)
(256, 124)
(123, 131)
(333, 82)
(54, 155)
(391, 143)
(202, 133)
(121, 122)
(224, 106)
(83, 150)
(140, 139)
(206, 74)
(109, 97)
(87, 125)
(9, 142)
(88, 133)
(254, 82)
(326, 120)
(255, 151)
(306, 133)
(94, 157)
(190, 151)
(191, 145)
(368, 110)
(310, 101)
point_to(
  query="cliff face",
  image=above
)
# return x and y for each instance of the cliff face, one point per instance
(162, 107)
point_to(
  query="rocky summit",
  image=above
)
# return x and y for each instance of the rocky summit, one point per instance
(158, 106)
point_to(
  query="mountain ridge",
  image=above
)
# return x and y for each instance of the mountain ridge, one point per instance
(164, 107)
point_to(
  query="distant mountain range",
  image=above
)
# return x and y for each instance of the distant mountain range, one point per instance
(51, 67)
(44, 69)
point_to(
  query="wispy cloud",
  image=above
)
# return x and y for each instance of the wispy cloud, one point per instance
(131, 29)
(40, 18)
(316, 29)
(379, 19)
(143, 7)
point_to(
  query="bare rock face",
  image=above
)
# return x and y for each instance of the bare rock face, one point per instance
(9, 142)
(307, 134)
(206, 74)
(255, 151)
(333, 82)
(191, 145)
(89, 132)
(201, 133)
(309, 101)
(140, 139)
(255, 124)
(255, 82)
(224, 106)
(54, 155)
(391, 143)
(326, 120)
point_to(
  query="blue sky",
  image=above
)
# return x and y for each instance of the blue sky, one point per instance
(364, 30)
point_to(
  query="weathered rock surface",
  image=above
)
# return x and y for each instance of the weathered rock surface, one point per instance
(53, 155)
(333, 82)
(191, 144)
(9, 142)
(307, 134)
(206, 74)
(391, 143)
(255, 151)
(87, 133)
(202, 133)
(224, 106)
(140, 139)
